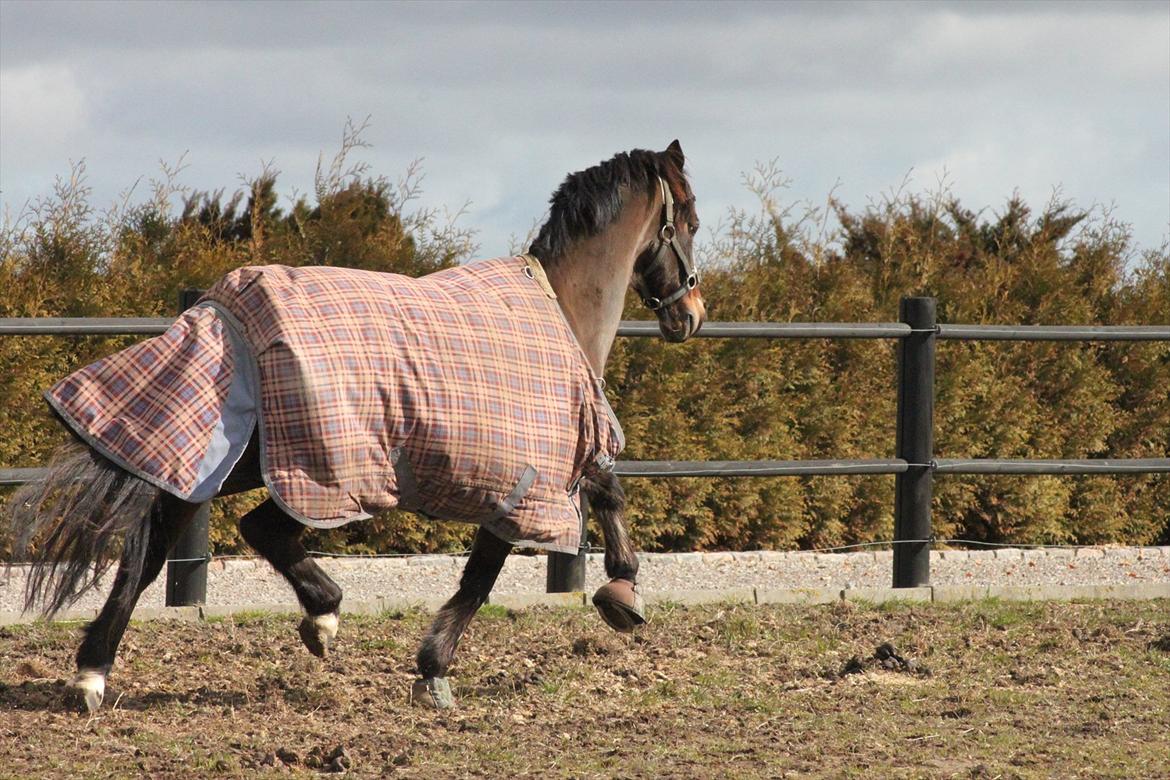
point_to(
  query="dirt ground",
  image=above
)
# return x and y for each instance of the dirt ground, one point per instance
(982, 690)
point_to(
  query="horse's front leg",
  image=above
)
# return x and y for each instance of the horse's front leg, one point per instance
(618, 601)
(488, 554)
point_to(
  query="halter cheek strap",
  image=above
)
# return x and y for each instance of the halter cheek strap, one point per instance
(667, 241)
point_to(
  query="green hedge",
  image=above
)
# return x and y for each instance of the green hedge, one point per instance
(710, 398)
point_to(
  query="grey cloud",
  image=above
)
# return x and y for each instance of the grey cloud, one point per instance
(504, 98)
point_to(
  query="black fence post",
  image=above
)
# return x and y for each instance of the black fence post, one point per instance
(566, 572)
(187, 563)
(915, 442)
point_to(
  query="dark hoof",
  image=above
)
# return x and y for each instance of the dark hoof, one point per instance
(620, 605)
(432, 692)
(317, 632)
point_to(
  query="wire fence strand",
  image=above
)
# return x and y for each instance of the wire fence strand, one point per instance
(596, 549)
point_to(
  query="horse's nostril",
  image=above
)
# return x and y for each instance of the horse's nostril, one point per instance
(674, 330)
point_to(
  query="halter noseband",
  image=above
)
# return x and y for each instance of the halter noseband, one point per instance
(667, 241)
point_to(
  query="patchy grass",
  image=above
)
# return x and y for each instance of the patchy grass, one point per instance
(977, 691)
(490, 611)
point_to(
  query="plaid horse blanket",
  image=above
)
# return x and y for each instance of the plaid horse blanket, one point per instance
(461, 395)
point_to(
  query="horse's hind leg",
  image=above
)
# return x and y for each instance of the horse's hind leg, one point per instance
(95, 657)
(618, 601)
(488, 554)
(277, 537)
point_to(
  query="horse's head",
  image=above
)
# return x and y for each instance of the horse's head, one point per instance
(665, 275)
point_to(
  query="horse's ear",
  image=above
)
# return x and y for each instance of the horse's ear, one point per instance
(676, 153)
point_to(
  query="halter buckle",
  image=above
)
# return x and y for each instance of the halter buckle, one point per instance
(668, 232)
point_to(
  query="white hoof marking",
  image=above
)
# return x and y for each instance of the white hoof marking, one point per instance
(92, 684)
(317, 632)
(326, 627)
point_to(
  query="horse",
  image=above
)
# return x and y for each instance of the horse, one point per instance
(628, 222)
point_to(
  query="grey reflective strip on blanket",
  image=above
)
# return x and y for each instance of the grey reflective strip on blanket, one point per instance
(230, 435)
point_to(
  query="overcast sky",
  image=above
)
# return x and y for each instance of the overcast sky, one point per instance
(503, 99)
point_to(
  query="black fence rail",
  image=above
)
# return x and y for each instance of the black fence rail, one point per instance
(913, 467)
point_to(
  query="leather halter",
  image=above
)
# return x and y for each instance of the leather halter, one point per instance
(665, 242)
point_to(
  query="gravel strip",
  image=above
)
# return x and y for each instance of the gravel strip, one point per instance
(248, 580)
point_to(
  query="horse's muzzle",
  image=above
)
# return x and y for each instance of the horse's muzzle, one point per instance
(683, 321)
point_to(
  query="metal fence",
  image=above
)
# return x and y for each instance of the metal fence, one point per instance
(913, 466)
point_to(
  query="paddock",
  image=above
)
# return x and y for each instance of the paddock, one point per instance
(982, 688)
(990, 689)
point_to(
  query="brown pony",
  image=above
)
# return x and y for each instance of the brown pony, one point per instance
(627, 222)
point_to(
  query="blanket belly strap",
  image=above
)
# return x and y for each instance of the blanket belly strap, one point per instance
(408, 497)
(505, 507)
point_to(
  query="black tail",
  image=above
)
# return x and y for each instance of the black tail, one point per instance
(71, 520)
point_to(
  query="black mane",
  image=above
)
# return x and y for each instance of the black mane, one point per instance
(589, 201)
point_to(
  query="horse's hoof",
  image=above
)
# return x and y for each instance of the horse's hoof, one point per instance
(432, 692)
(620, 605)
(317, 632)
(92, 685)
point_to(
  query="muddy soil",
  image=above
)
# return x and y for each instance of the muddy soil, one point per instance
(974, 691)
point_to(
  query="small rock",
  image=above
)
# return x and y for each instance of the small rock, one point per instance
(33, 670)
(335, 760)
(586, 646)
(289, 757)
(852, 666)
